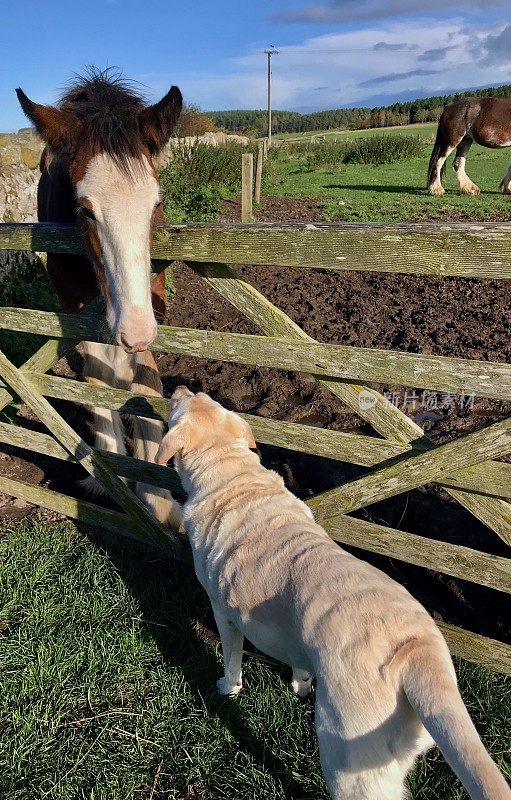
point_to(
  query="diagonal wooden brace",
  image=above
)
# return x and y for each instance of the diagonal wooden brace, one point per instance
(384, 417)
(90, 459)
(415, 470)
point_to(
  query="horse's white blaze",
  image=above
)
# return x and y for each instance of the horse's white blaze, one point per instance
(123, 204)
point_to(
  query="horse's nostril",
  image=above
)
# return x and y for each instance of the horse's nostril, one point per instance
(136, 334)
(132, 346)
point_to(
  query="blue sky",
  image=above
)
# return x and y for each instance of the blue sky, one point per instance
(332, 52)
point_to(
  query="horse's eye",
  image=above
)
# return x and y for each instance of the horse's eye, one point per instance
(86, 212)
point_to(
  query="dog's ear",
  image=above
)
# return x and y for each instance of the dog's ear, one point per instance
(249, 436)
(171, 444)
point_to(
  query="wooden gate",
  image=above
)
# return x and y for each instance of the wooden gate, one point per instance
(400, 456)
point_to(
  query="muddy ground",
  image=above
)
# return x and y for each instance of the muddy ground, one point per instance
(451, 317)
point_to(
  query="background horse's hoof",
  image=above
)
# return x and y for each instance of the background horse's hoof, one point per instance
(505, 188)
(437, 191)
(472, 190)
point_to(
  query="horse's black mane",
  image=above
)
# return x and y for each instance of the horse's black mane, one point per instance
(108, 106)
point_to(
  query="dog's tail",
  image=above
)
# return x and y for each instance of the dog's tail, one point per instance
(428, 679)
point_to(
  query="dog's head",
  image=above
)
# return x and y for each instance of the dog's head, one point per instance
(197, 423)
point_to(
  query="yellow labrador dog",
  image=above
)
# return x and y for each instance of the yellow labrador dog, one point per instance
(385, 684)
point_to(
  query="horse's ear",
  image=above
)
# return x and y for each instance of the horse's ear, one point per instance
(55, 127)
(158, 121)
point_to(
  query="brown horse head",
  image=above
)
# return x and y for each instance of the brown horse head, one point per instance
(108, 136)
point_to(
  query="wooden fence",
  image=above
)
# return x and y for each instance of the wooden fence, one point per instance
(400, 456)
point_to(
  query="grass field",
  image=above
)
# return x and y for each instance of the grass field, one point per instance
(107, 687)
(393, 192)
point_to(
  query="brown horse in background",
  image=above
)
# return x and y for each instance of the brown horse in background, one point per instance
(485, 120)
(97, 170)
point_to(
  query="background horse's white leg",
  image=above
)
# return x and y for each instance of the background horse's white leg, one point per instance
(435, 186)
(466, 185)
(505, 184)
(147, 435)
(106, 366)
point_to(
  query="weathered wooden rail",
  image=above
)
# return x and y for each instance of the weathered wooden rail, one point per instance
(399, 455)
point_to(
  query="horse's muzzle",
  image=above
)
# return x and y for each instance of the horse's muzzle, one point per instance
(133, 344)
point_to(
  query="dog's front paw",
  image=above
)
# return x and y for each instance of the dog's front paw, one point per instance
(228, 689)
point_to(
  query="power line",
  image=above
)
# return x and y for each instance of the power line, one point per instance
(305, 51)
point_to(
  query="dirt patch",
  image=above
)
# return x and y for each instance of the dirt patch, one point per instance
(452, 317)
(276, 209)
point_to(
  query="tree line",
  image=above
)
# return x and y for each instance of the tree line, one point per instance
(427, 109)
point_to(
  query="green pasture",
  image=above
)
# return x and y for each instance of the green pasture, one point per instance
(395, 191)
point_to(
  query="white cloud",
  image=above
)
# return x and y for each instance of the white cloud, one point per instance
(495, 48)
(350, 67)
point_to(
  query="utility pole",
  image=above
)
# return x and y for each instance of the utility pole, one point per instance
(271, 52)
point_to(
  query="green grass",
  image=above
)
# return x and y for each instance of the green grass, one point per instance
(392, 192)
(107, 687)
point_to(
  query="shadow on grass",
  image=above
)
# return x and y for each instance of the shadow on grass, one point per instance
(178, 618)
(362, 187)
(400, 189)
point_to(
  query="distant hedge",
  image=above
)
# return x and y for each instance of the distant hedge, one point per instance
(426, 109)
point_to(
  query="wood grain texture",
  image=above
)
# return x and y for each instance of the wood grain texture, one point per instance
(385, 418)
(134, 469)
(451, 559)
(247, 178)
(459, 249)
(489, 653)
(355, 448)
(93, 515)
(432, 466)
(457, 375)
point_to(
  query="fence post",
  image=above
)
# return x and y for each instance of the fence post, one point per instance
(247, 174)
(259, 172)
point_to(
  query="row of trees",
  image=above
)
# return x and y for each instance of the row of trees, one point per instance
(427, 109)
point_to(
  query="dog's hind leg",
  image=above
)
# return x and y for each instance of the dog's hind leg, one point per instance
(367, 743)
(388, 784)
(301, 682)
(232, 650)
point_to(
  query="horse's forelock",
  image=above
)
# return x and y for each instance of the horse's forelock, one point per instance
(108, 107)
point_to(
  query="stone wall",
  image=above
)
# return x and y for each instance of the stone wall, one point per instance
(19, 172)
(19, 169)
